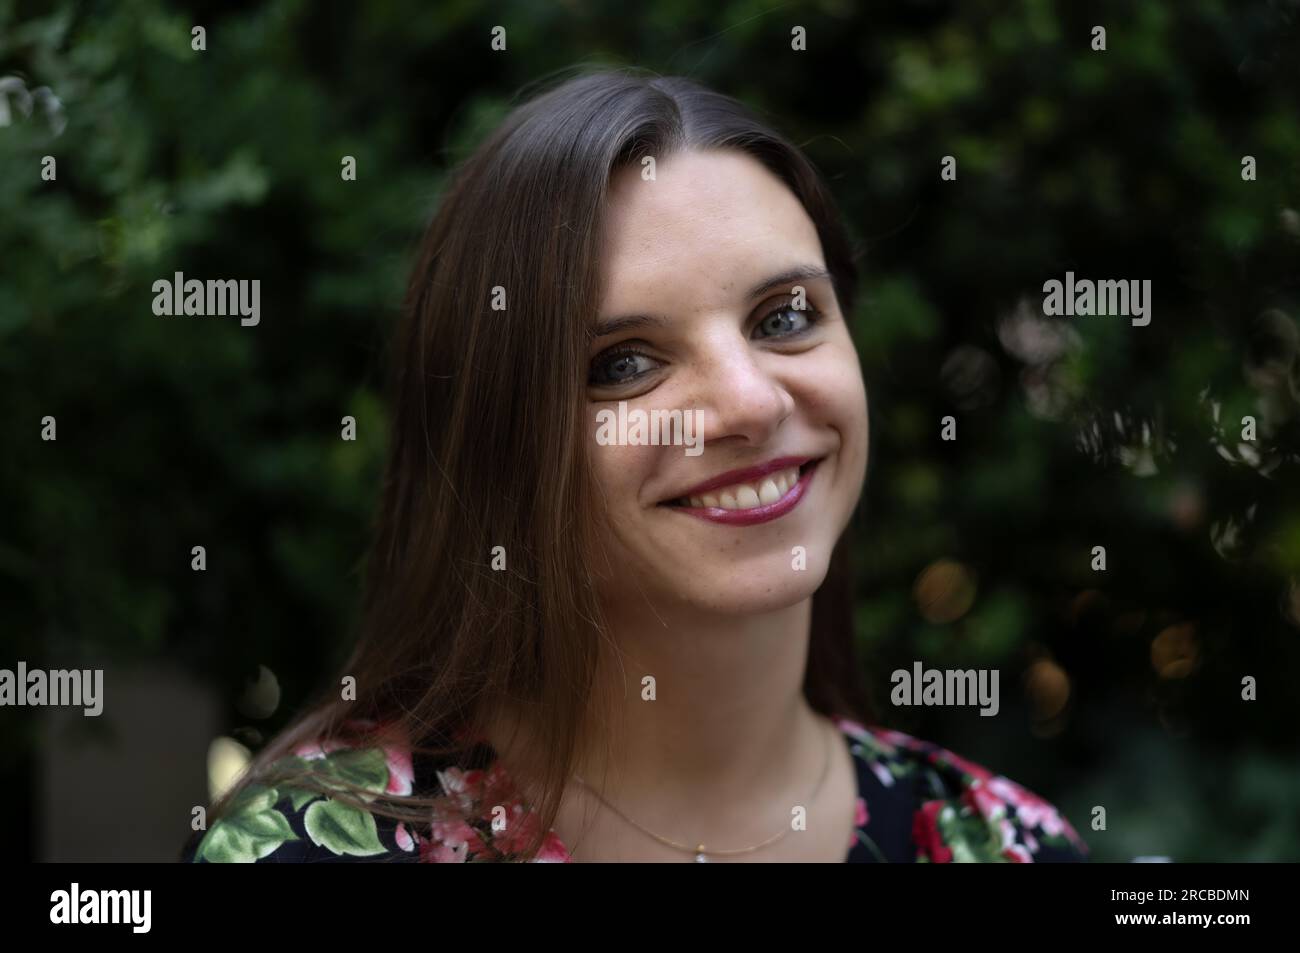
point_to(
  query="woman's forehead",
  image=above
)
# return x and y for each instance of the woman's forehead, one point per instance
(708, 221)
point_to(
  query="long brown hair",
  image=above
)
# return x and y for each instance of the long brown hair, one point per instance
(488, 444)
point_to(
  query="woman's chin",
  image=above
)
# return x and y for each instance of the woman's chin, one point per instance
(725, 594)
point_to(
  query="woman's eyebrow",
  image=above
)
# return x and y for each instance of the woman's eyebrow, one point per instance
(790, 276)
(632, 322)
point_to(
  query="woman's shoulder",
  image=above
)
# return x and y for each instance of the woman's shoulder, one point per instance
(287, 823)
(936, 806)
(291, 822)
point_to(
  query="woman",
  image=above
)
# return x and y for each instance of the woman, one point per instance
(601, 643)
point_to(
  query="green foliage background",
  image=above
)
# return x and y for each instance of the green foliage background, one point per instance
(1117, 164)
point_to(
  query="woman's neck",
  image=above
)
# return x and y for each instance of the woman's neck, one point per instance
(704, 713)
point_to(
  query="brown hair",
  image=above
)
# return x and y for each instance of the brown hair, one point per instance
(488, 444)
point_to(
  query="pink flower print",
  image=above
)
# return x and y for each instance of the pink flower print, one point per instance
(860, 818)
(451, 841)
(898, 739)
(976, 771)
(404, 839)
(520, 826)
(1011, 850)
(552, 851)
(989, 806)
(317, 749)
(522, 822)
(882, 774)
(1031, 810)
(926, 835)
(462, 787)
(1008, 832)
(401, 772)
(853, 729)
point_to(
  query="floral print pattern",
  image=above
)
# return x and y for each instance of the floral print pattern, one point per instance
(917, 802)
(961, 811)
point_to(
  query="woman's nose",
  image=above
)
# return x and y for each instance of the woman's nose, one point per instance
(740, 397)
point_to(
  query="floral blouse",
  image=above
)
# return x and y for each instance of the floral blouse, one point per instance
(916, 802)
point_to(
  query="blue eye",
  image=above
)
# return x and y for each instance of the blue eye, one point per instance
(618, 367)
(785, 321)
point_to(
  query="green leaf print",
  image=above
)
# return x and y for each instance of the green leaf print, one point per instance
(342, 829)
(971, 839)
(901, 769)
(367, 768)
(300, 797)
(251, 830)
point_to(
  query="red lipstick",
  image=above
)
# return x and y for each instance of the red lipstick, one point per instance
(757, 514)
(746, 475)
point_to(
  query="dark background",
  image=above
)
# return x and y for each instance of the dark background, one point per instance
(1119, 688)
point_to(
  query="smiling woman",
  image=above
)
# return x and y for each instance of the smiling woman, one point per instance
(661, 668)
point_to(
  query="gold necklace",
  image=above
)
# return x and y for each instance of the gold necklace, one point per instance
(699, 850)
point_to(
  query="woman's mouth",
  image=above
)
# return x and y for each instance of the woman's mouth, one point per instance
(746, 502)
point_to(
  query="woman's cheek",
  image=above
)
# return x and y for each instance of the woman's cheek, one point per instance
(621, 471)
(835, 397)
(831, 388)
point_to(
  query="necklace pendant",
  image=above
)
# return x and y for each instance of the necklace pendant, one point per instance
(699, 856)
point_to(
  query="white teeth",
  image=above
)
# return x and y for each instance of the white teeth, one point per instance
(746, 496)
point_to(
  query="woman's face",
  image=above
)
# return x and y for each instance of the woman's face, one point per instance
(699, 270)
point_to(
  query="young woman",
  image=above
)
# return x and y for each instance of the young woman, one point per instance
(599, 644)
